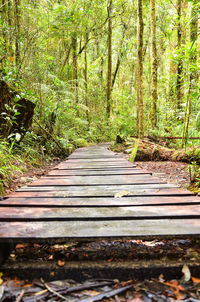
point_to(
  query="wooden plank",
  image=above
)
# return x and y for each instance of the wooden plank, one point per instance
(92, 159)
(94, 165)
(96, 213)
(96, 168)
(85, 172)
(96, 180)
(109, 190)
(99, 229)
(21, 193)
(51, 201)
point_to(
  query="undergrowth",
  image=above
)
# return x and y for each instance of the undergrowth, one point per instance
(14, 162)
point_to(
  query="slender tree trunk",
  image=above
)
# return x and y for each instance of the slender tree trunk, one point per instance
(86, 79)
(3, 16)
(193, 71)
(154, 66)
(101, 70)
(179, 79)
(109, 72)
(66, 59)
(10, 23)
(118, 58)
(17, 31)
(75, 67)
(140, 126)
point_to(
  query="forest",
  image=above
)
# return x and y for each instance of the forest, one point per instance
(79, 72)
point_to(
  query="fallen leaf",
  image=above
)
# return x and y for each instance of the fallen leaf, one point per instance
(19, 246)
(90, 292)
(195, 280)
(41, 292)
(1, 280)
(36, 245)
(61, 262)
(174, 284)
(186, 272)
(121, 194)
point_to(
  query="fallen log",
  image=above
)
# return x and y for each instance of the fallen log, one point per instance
(147, 150)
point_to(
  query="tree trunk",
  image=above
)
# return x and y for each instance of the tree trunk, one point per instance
(74, 67)
(193, 71)
(140, 127)
(154, 66)
(109, 72)
(10, 24)
(4, 25)
(17, 31)
(86, 79)
(120, 54)
(179, 79)
(66, 59)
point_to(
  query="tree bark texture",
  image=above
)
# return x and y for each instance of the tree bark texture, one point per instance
(154, 66)
(179, 79)
(4, 25)
(17, 31)
(193, 72)
(86, 79)
(109, 71)
(75, 67)
(140, 126)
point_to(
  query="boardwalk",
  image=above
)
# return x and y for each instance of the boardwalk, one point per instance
(96, 193)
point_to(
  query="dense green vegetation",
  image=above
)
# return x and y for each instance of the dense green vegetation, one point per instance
(88, 67)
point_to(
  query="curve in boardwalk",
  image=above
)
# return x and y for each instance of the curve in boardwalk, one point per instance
(96, 193)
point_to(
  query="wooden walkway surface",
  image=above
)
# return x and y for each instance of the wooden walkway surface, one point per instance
(83, 198)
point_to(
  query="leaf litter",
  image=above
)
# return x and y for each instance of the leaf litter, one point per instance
(187, 288)
(100, 290)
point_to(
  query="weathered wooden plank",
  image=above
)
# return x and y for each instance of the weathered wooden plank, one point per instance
(94, 165)
(107, 168)
(92, 159)
(96, 180)
(99, 229)
(144, 192)
(96, 213)
(51, 201)
(109, 190)
(85, 172)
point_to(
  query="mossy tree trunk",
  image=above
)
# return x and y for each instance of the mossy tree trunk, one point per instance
(140, 125)
(154, 66)
(86, 79)
(17, 31)
(179, 78)
(109, 71)
(74, 67)
(193, 70)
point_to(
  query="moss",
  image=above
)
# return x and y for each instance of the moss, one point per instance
(155, 153)
(175, 155)
(134, 152)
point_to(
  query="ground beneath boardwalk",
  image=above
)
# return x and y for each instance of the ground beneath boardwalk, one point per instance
(174, 172)
(102, 290)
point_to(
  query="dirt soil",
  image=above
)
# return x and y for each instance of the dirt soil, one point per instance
(174, 172)
(32, 174)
